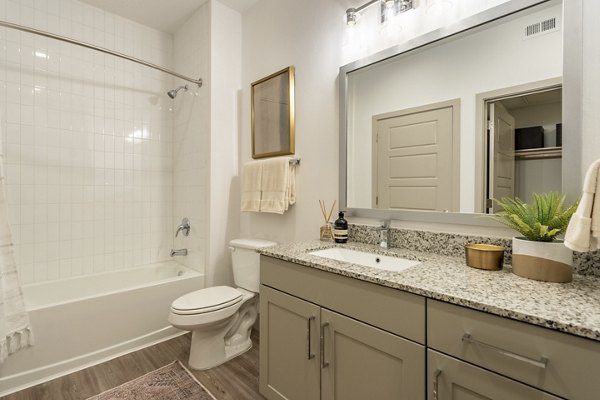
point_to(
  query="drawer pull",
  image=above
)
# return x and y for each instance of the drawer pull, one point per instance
(324, 363)
(310, 355)
(436, 376)
(541, 363)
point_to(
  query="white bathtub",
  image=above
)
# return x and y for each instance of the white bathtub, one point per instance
(78, 322)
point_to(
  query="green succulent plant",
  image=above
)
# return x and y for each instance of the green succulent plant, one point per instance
(541, 220)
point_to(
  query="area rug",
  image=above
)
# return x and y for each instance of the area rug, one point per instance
(171, 382)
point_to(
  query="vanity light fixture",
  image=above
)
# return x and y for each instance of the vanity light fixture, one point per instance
(387, 7)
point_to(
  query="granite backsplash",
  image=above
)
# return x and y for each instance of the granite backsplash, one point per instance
(452, 244)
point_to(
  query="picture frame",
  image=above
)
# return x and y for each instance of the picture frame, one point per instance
(273, 124)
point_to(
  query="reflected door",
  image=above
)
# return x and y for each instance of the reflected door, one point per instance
(415, 161)
(502, 151)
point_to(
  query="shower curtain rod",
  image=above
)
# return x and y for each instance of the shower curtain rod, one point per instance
(98, 48)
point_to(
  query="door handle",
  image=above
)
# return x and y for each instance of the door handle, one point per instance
(540, 363)
(436, 376)
(324, 363)
(310, 355)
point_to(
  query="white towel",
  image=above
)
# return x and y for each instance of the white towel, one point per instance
(251, 186)
(583, 232)
(277, 185)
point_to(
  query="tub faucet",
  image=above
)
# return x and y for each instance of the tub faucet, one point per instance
(184, 226)
(179, 252)
(384, 231)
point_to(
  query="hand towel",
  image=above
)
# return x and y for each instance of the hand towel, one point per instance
(276, 185)
(251, 186)
(583, 232)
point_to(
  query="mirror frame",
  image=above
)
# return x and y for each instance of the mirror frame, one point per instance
(461, 26)
(292, 124)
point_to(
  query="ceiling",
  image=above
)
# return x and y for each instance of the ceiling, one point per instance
(534, 99)
(164, 15)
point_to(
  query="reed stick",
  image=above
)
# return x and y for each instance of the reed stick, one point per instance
(331, 211)
(323, 211)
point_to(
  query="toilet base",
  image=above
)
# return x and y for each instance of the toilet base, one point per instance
(207, 353)
(210, 348)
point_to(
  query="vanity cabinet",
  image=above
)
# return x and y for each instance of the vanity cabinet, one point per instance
(553, 362)
(452, 379)
(328, 336)
(314, 347)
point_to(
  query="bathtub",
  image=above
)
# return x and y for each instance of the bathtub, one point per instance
(82, 321)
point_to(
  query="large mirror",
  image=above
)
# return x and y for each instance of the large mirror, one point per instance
(448, 125)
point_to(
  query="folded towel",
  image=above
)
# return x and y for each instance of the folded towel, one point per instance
(276, 188)
(583, 232)
(251, 185)
(292, 185)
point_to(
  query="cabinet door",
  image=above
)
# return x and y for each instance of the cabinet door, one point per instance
(363, 362)
(289, 347)
(452, 379)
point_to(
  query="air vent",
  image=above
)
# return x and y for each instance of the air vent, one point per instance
(546, 26)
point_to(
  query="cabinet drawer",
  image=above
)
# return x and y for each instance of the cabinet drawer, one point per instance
(386, 308)
(556, 362)
(452, 379)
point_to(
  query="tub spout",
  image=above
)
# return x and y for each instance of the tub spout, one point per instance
(179, 252)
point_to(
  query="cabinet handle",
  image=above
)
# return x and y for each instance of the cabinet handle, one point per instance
(324, 363)
(436, 376)
(311, 355)
(541, 363)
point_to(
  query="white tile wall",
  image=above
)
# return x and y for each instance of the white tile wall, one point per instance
(191, 153)
(88, 141)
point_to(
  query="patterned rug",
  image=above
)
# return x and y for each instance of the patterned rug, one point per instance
(171, 382)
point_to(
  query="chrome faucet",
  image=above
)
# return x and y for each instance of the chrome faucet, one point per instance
(184, 226)
(179, 252)
(384, 230)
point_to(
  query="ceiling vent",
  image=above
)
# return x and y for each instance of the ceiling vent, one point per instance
(542, 27)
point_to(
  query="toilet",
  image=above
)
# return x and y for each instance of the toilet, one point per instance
(221, 317)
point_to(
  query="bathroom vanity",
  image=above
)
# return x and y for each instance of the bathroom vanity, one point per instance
(439, 330)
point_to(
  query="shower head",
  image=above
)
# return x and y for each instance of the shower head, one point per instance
(173, 93)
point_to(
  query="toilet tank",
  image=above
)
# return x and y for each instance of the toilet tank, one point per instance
(246, 262)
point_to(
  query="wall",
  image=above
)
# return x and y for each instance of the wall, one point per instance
(191, 142)
(486, 60)
(308, 35)
(225, 121)
(87, 139)
(312, 36)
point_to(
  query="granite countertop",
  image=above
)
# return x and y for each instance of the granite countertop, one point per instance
(567, 307)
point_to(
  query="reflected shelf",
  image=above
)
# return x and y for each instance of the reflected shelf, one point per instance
(538, 153)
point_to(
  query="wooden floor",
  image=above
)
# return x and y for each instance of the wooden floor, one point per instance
(234, 380)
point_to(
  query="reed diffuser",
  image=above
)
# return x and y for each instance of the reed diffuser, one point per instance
(326, 230)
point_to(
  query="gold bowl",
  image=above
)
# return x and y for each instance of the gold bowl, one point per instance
(484, 256)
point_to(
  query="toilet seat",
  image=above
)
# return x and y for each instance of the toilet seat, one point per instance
(207, 300)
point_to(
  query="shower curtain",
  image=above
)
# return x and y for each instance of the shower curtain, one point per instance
(15, 329)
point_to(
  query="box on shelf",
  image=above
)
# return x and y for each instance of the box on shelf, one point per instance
(529, 138)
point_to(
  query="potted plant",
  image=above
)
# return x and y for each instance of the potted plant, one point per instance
(538, 254)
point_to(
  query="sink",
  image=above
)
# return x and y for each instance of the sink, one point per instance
(372, 260)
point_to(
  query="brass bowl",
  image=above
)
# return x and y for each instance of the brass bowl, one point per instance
(484, 256)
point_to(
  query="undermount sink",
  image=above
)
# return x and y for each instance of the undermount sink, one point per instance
(372, 260)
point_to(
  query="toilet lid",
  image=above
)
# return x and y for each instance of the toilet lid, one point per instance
(207, 300)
